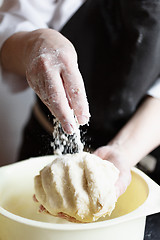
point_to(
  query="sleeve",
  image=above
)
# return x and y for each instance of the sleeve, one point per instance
(20, 15)
(154, 91)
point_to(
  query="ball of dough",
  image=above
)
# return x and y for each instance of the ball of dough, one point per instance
(80, 185)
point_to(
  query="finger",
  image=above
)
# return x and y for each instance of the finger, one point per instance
(35, 78)
(122, 183)
(75, 89)
(67, 217)
(58, 103)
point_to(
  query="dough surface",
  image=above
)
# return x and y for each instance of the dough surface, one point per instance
(80, 185)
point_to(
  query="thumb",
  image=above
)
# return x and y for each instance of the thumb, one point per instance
(102, 152)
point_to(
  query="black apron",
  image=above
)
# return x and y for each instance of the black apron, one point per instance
(118, 47)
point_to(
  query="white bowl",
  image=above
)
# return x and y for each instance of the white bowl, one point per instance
(19, 217)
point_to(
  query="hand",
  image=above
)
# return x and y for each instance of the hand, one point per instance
(52, 72)
(116, 155)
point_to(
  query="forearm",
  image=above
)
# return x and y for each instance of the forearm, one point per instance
(142, 133)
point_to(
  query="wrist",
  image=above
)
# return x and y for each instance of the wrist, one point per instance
(131, 154)
(13, 53)
(124, 152)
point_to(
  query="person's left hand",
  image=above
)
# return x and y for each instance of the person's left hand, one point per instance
(120, 160)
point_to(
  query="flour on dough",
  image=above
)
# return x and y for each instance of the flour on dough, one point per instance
(80, 185)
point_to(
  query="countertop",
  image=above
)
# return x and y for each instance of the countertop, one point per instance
(152, 229)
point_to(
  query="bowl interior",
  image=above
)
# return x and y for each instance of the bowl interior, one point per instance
(17, 189)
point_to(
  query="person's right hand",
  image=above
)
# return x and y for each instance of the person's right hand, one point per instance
(52, 71)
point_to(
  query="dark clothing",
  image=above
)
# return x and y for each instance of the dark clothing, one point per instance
(36, 141)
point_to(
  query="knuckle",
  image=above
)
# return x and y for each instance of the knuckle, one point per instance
(42, 64)
(39, 65)
(68, 57)
(64, 58)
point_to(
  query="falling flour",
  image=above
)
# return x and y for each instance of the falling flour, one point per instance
(64, 143)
